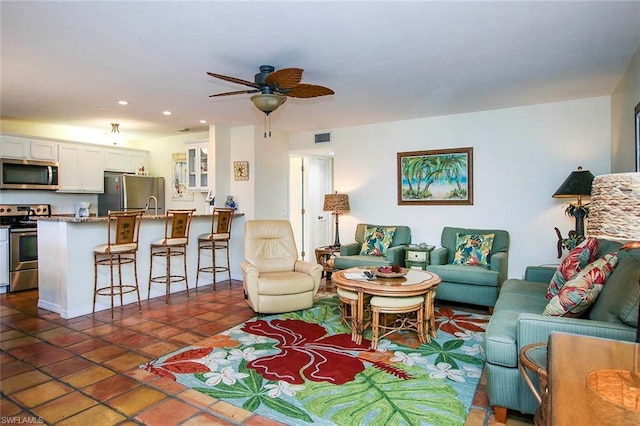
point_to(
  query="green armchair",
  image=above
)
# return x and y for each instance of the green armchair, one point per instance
(470, 284)
(350, 256)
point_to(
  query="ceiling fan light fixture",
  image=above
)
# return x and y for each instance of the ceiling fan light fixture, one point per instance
(268, 102)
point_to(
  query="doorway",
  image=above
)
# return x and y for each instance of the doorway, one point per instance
(310, 177)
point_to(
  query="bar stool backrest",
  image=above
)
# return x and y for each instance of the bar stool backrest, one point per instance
(223, 224)
(125, 230)
(177, 223)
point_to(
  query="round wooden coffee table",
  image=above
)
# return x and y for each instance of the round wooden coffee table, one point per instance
(414, 283)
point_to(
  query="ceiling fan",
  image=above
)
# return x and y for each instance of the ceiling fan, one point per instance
(274, 87)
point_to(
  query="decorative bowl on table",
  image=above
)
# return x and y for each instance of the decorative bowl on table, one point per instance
(383, 272)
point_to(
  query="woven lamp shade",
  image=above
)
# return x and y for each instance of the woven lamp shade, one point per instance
(336, 202)
(614, 212)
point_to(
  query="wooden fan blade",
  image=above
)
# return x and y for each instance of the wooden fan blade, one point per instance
(234, 80)
(309, 91)
(285, 78)
(237, 92)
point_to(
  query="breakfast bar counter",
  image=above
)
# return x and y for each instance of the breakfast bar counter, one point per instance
(65, 260)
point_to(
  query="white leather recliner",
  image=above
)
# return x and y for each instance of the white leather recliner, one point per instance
(274, 279)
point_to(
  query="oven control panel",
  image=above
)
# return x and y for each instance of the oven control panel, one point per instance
(25, 210)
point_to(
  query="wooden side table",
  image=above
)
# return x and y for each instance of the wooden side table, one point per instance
(324, 257)
(417, 257)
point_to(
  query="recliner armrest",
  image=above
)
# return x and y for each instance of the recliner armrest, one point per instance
(309, 268)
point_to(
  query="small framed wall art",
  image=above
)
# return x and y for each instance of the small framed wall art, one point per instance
(241, 170)
(443, 176)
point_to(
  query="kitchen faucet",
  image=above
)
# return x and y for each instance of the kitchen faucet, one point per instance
(146, 208)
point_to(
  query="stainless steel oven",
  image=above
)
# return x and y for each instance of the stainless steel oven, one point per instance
(23, 259)
(23, 243)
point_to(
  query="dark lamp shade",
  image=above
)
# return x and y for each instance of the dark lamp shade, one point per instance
(336, 202)
(578, 183)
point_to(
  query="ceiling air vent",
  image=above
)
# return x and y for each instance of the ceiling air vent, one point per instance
(322, 137)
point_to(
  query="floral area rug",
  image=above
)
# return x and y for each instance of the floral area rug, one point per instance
(302, 368)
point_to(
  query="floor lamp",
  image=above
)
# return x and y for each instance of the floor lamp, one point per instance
(614, 214)
(336, 203)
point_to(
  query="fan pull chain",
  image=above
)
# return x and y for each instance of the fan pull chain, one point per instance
(267, 125)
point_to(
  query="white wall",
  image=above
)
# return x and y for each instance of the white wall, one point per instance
(623, 101)
(272, 176)
(521, 156)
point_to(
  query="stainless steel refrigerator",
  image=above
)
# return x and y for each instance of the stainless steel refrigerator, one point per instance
(131, 192)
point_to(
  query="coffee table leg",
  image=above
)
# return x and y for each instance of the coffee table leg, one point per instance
(360, 316)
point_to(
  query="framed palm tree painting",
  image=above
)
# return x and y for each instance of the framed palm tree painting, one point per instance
(443, 176)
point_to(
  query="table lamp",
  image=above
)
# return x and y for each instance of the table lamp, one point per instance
(336, 203)
(615, 215)
(577, 184)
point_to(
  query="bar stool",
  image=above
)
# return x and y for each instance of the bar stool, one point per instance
(218, 239)
(120, 249)
(174, 243)
(404, 309)
(349, 313)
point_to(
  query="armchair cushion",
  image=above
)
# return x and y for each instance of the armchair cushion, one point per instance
(350, 254)
(377, 240)
(473, 249)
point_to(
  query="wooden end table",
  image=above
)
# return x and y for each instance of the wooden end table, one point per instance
(323, 255)
(415, 283)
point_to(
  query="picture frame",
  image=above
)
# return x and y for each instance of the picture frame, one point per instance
(436, 177)
(637, 116)
(241, 170)
(179, 178)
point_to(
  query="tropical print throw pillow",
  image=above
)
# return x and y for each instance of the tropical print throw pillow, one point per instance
(571, 265)
(473, 250)
(578, 294)
(377, 240)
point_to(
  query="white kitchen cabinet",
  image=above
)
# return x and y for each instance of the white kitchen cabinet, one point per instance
(81, 168)
(198, 166)
(138, 162)
(23, 148)
(44, 150)
(12, 147)
(126, 160)
(4, 257)
(115, 160)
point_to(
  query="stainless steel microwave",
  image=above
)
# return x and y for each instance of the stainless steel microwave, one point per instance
(28, 174)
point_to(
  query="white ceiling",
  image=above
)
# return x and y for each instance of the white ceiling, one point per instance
(70, 62)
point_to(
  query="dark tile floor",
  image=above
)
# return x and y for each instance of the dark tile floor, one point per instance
(85, 370)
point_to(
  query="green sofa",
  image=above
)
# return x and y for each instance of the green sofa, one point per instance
(350, 253)
(517, 321)
(470, 284)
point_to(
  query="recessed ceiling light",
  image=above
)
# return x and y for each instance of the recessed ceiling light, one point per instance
(203, 121)
(166, 112)
(123, 102)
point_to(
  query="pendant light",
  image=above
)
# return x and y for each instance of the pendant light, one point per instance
(115, 138)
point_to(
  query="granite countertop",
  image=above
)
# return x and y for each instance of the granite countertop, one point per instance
(70, 218)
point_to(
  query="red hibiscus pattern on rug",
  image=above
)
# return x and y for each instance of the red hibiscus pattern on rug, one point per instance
(450, 322)
(180, 363)
(306, 352)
